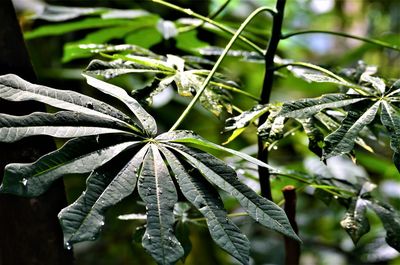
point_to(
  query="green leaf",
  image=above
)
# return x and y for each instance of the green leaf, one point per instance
(157, 190)
(184, 136)
(118, 67)
(144, 37)
(188, 41)
(305, 108)
(376, 82)
(79, 155)
(390, 220)
(390, 118)
(63, 124)
(205, 198)
(87, 23)
(342, 140)
(14, 88)
(272, 129)
(105, 186)
(147, 121)
(260, 209)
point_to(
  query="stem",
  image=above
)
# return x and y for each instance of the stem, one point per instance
(189, 12)
(211, 16)
(214, 69)
(292, 247)
(263, 173)
(346, 35)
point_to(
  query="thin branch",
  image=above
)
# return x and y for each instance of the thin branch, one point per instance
(189, 12)
(216, 65)
(346, 35)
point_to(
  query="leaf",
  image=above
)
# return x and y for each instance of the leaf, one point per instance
(305, 108)
(14, 88)
(105, 187)
(157, 190)
(342, 140)
(260, 209)
(188, 41)
(376, 82)
(272, 129)
(145, 37)
(204, 197)
(315, 136)
(63, 124)
(79, 155)
(240, 122)
(355, 221)
(87, 23)
(214, 98)
(147, 121)
(117, 67)
(184, 136)
(55, 13)
(390, 220)
(390, 118)
(74, 51)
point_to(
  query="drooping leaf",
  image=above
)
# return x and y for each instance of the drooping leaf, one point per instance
(376, 82)
(390, 220)
(14, 88)
(390, 118)
(204, 197)
(79, 155)
(355, 221)
(105, 186)
(63, 124)
(314, 134)
(272, 129)
(342, 140)
(157, 190)
(184, 136)
(304, 108)
(260, 209)
(147, 121)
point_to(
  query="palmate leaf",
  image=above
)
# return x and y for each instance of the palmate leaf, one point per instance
(204, 197)
(157, 190)
(170, 70)
(116, 159)
(63, 124)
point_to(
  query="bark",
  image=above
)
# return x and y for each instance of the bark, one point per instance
(29, 229)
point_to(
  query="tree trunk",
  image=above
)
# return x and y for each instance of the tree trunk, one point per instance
(30, 233)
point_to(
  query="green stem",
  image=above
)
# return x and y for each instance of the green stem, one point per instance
(341, 34)
(214, 69)
(263, 173)
(189, 12)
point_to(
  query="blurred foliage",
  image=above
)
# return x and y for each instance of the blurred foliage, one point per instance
(325, 242)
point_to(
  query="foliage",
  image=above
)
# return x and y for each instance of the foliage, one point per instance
(176, 173)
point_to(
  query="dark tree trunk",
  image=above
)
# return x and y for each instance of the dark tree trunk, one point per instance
(30, 233)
